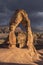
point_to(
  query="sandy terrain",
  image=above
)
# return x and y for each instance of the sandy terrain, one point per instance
(16, 56)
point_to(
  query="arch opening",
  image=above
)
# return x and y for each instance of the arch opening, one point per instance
(21, 35)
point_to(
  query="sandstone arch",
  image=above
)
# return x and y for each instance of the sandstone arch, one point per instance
(21, 16)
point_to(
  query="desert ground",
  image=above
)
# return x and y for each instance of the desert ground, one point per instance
(14, 56)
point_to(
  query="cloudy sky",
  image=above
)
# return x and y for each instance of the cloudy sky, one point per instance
(34, 9)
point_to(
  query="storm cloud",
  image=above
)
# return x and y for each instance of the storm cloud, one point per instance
(34, 9)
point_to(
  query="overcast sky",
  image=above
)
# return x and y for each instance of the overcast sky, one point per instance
(34, 9)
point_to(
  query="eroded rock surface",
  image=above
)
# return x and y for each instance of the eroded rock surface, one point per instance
(21, 38)
(21, 16)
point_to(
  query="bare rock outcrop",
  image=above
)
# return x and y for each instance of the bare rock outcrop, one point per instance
(21, 16)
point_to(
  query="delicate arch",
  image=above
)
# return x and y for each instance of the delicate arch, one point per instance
(18, 17)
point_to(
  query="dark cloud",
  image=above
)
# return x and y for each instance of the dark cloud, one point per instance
(34, 9)
(5, 16)
(36, 18)
(32, 5)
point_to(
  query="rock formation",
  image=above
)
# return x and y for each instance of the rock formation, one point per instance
(21, 16)
(12, 37)
(21, 38)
